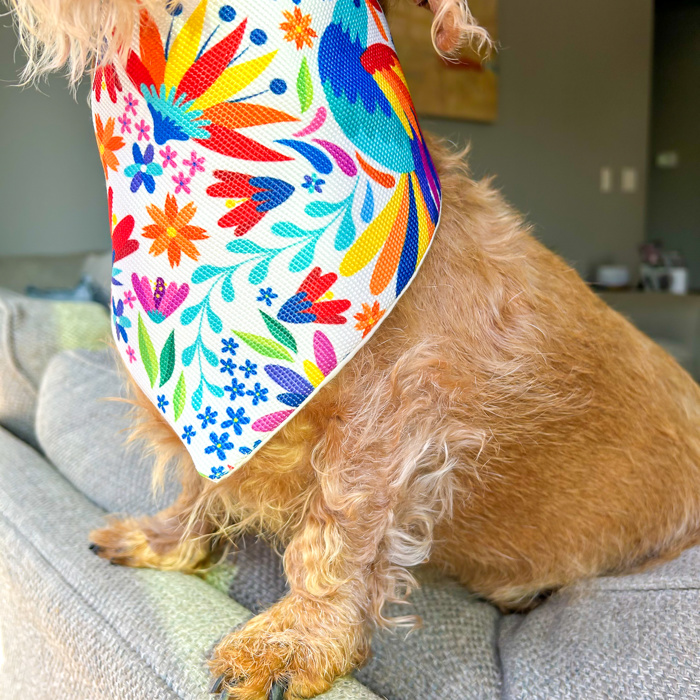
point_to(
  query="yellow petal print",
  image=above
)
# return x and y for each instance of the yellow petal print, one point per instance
(374, 236)
(313, 373)
(183, 52)
(233, 80)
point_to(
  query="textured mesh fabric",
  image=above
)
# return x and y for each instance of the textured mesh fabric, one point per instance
(271, 196)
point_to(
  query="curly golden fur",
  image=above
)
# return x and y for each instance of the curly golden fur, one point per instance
(503, 424)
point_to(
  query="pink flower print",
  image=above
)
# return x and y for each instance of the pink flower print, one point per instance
(194, 164)
(131, 103)
(131, 353)
(129, 299)
(168, 156)
(143, 130)
(181, 181)
(126, 123)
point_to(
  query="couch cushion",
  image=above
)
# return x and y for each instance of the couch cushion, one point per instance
(88, 629)
(84, 432)
(31, 332)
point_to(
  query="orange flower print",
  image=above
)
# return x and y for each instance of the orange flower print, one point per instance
(297, 28)
(368, 318)
(172, 232)
(108, 143)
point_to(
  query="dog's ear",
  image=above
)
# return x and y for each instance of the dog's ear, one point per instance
(454, 26)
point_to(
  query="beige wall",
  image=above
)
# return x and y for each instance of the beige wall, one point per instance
(574, 97)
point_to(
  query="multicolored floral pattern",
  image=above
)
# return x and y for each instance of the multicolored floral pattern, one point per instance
(278, 199)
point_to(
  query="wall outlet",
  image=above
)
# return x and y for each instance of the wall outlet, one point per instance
(606, 180)
(629, 180)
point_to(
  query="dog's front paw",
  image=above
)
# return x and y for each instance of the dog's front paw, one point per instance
(266, 661)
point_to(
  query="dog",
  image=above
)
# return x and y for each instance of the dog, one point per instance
(502, 424)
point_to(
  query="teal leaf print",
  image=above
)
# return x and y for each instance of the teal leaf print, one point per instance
(367, 212)
(167, 359)
(244, 246)
(148, 353)
(305, 88)
(259, 272)
(180, 396)
(190, 313)
(197, 397)
(286, 229)
(214, 320)
(304, 257)
(265, 346)
(204, 273)
(346, 232)
(210, 356)
(227, 292)
(279, 332)
(318, 208)
(188, 355)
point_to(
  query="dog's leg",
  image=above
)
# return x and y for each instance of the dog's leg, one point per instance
(337, 566)
(177, 538)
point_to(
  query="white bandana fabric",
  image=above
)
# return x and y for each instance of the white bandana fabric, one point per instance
(271, 196)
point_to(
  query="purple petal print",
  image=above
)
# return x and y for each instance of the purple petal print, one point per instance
(270, 421)
(173, 297)
(143, 292)
(341, 157)
(324, 353)
(288, 379)
(316, 123)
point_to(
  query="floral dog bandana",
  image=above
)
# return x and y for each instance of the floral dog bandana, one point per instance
(271, 196)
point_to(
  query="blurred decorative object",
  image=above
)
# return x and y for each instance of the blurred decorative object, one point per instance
(663, 271)
(460, 88)
(613, 276)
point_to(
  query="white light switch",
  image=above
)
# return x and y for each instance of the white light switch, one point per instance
(667, 159)
(606, 180)
(628, 180)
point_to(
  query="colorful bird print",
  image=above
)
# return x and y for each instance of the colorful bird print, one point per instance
(369, 99)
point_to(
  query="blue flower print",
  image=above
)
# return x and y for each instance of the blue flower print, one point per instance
(143, 169)
(162, 403)
(267, 295)
(248, 368)
(208, 417)
(188, 434)
(229, 345)
(237, 419)
(227, 366)
(248, 450)
(258, 393)
(219, 444)
(217, 473)
(236, 389)
(313, 183)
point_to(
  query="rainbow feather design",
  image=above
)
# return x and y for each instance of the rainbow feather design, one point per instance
(193, 92)
(369, 98)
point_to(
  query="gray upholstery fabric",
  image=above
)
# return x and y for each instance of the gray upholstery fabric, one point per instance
(83, 432)
(31, 332)
(76, 628)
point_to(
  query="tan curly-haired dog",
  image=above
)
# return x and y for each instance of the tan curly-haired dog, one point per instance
(503, 424)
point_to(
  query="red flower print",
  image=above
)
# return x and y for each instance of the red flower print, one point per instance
(314, 303)
(106, 78)
(297, 28)
(122, 243)
(248, 197)
(368, 318)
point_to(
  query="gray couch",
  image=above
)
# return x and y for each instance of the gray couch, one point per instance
(75, 628)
